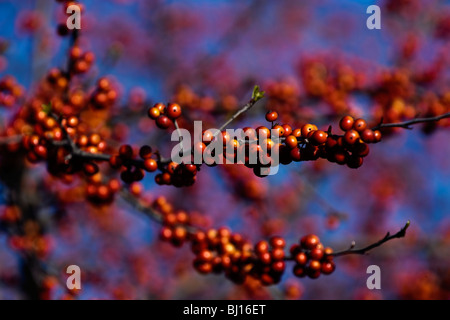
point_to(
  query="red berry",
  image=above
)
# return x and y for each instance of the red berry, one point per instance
(296, 154)
(310, 241)
(331, 142)
(291, 141)
(226, 137)
(287, 130)
(340, 156)
(278, 266)
(277, 242)
(277, 254)
(316, 254)
(295, 248)
(360, 125)
(361, 149)
(72, 122)
(163, 122)
(297, 133)
(126, 151)
(271, 116)
(328, 252)
(166, 234)
(173, 111)
(301, 258)
(351, 137)
(261, 247)
(376, 136)
(368, 135)
(115, 161)
(314, 265)
(250, 133)
(262, 132)
(319, 137)
(150, 165)
(354, 162)
(153, 113)
(90, 169)
(160, 106)
(199, 148)
(307, 129)
(207, 136)
(192, 168)
(279, 130)
(328, 267)
(299, 271)
(346, 123)
(145, 152)
(171, 167)
(265, 257)
(205, 256)
(203, 267)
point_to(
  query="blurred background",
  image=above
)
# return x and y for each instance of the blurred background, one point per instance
(208, 55)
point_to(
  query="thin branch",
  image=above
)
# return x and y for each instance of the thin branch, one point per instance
(407, 124)
(387, 237)
(244, 109)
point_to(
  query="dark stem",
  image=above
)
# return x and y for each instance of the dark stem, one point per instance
(407, 124)
(387, 237)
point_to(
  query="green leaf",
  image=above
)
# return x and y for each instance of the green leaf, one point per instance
(47, 108)
(257, 94)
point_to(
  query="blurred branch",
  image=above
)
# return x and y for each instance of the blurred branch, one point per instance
(11, 139)
(148, 210)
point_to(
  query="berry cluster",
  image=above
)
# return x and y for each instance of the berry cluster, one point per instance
(352, 147)
(310, 143)
(10, 91)
(269, 265)
(298, 144)
(91, 143)
(283, 96)
(31, 240)
(222, 251)
(185, 96)
(311, 258)
(47, 144)
(104, 96)
(66, 122)
(56, 80)
(100, 193)
(331, 82)
(37, 145)
(81, 62)
(175, 224)
(178, 175)
(132, 169)
(164, 115)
